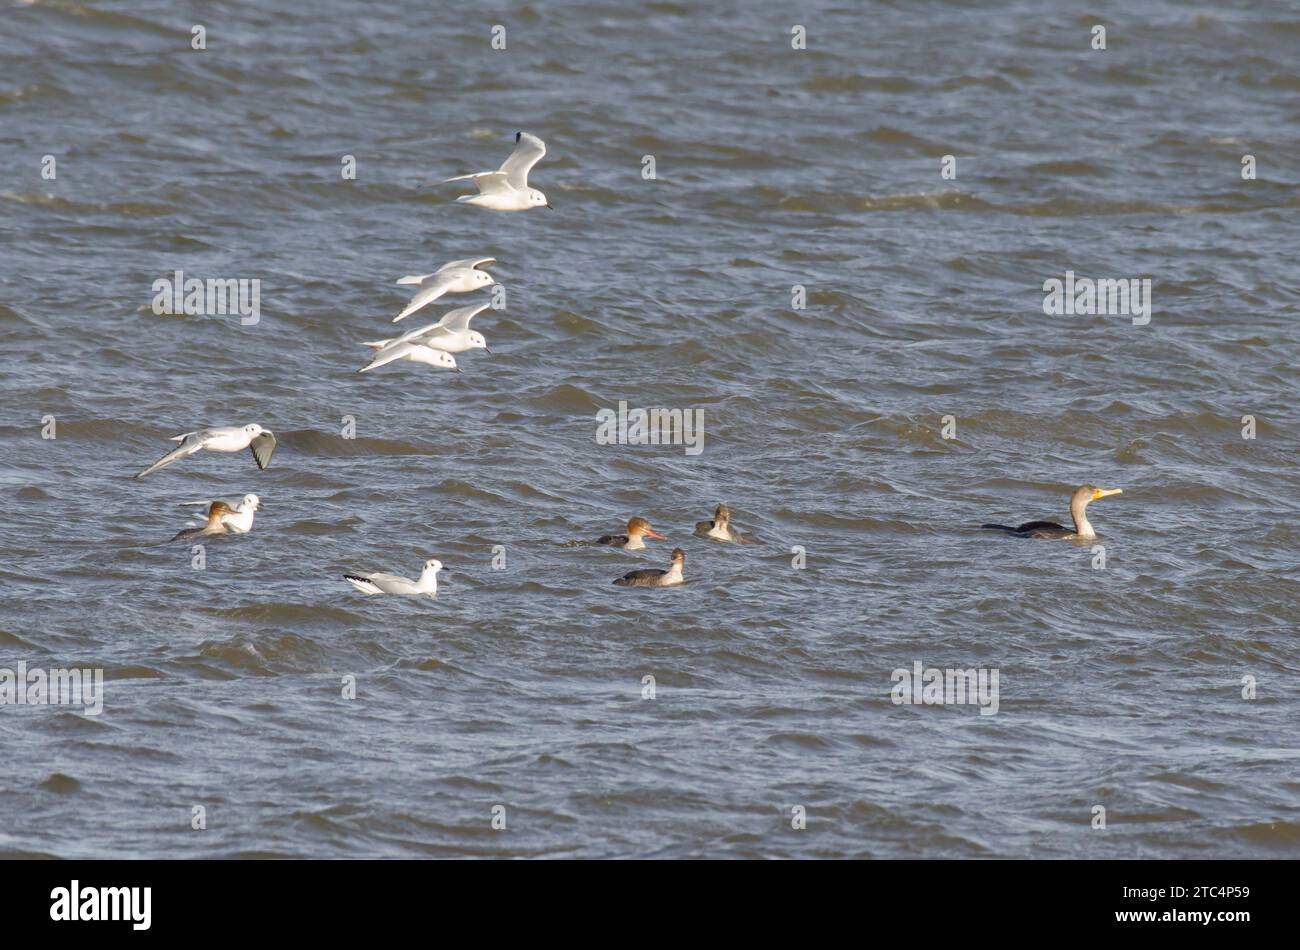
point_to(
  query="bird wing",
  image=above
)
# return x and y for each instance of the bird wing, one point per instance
(459, 318)
(362, 583)
(427, 294)
(649, 573)
(428, 330)
(415, 278)
(191, 445)
(1040, 526)
(391, 583)
(394, 351)
(263, 447)
(489, 183)
(201, 517)
(529, 150)
(479, 263)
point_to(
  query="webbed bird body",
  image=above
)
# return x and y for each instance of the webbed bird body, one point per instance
(720, 529)
(218, 511)
(261, 442)
(506, 189)
(427, 585)
(1050, 530)
(656, 578)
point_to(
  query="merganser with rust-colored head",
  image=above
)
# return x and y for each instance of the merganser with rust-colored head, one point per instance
(1079, 502)
(720, 529)
(656, 578)
(238, 518)
(637, 530)
(218, 511)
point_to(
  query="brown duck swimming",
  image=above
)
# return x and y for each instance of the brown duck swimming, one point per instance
(720, 529)
(656, 578)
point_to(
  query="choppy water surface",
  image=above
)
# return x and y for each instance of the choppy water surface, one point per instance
(523, 687)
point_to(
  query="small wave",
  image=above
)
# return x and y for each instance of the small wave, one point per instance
(858, 83)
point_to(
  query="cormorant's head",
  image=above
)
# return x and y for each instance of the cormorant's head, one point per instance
(1088, 493)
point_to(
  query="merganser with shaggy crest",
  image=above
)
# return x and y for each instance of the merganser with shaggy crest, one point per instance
(637, 530)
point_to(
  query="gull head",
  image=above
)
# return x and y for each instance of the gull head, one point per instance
(427, 354)
(476, 341)
(253, 430)
(250, 503)
(433, 564)
(482, 278)
(537, 199)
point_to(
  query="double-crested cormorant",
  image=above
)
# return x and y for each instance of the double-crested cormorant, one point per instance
(637, 529)
(720, 529)
(656, 578)
(1050, 529)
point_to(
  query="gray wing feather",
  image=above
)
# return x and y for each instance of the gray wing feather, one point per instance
(529, 150)
(175, 455)
(459, 318)
(263, 447)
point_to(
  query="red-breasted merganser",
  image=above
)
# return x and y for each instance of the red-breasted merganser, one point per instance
(720, 529)
(239, 520)
(218, 511)
(637, 529)
(1050, 529)
(656, 578)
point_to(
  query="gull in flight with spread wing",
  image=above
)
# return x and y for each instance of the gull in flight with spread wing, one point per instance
(414, 351)
(450, 334)
(393, 584)
(454, 277)
(223, 439)
(506, 189)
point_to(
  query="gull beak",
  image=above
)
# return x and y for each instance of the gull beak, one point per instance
(550, 206)
(1103, 492)
(488, 348)
(652, 533)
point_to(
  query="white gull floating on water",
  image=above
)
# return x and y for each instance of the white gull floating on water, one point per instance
(394, 584)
